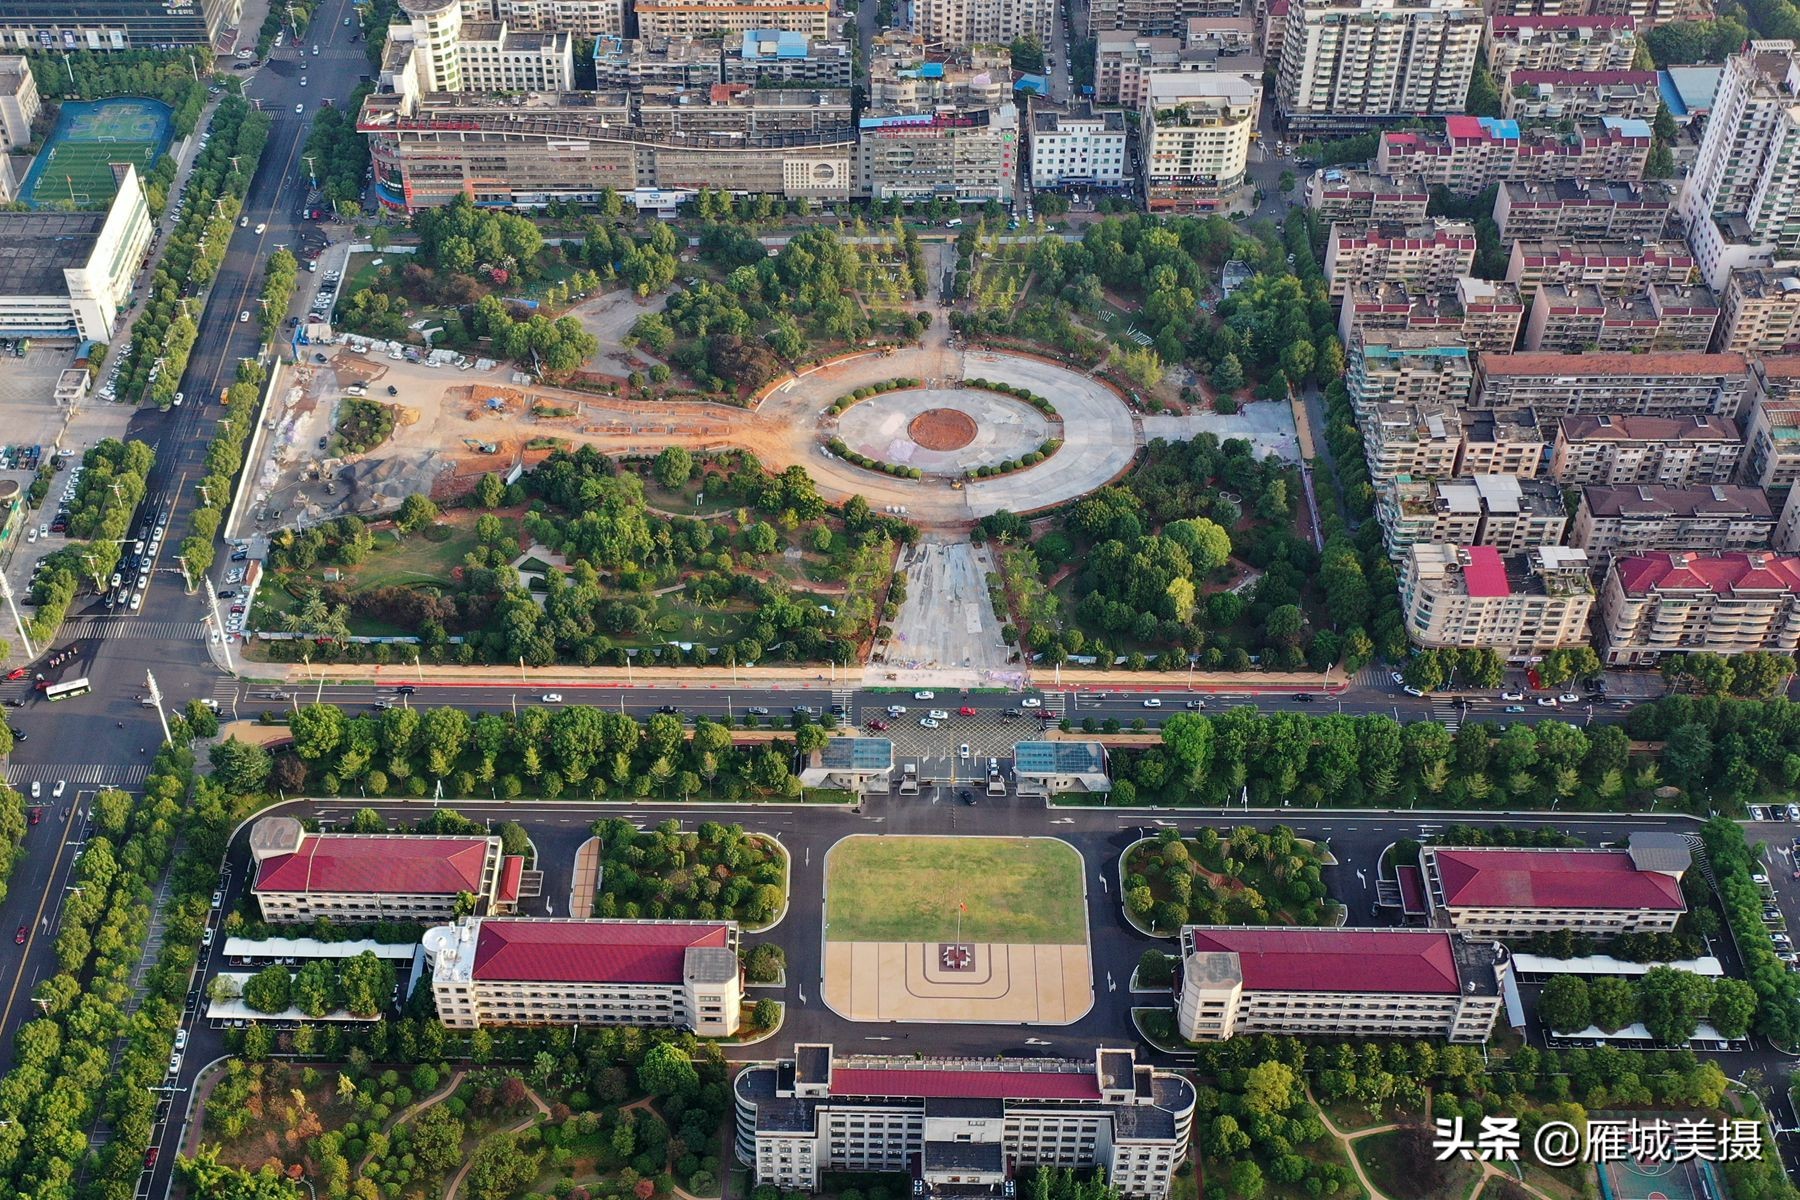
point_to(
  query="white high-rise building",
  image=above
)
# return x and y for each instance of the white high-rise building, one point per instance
(1742, 199)
(1344, 62)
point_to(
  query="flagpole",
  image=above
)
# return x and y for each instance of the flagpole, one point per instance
(959, 913)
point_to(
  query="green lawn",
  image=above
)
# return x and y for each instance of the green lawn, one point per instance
(907, 889)
(414, 558)
(1378, 1155)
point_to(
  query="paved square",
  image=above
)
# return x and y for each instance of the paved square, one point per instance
(892, 904)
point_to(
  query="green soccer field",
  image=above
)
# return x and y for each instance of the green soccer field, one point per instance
(82, 171)
(907, 889)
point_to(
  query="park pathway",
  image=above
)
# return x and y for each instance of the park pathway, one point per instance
(412, 1110)
(520, 1126)
(1488, 1169)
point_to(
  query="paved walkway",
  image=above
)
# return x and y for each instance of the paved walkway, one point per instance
(413, 1110)
(520, 1126)
(1488, 1169)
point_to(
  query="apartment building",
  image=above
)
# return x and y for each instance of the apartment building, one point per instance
(1470, 153)
(955, 24)
(1611, 521)
(738, 110)
(1761, 311)
(1655, 384)
(775, 58)
(1156, 18)
(961, 1126)
(1486, 315)
(632, 65)
(1677, 602)
(1509, 514)
(578, 18)
(525, 151)
(1559, 95)
(70, 274)
(1620, 267)
(1411, 983)
(1645, 14)
(1590, 43)
(1348, 63)
(1124, 61)
(1607, 450)
(1772, 431)
(705, 18)
(1474, 597)
(1428, 257)
(1498, 893)
(447, 53)
(19, 102)
(560, 971)
(1079, 147)
(1271, 26)
(1345, 194)
(1787, 525)
(1573, 317)
(969, 155)
(1420, 440)
(1406, 367)
(1741, 200)
(1580, 210)
(1197, 130)
(351, 877)
(1502, 443)
(906, 74)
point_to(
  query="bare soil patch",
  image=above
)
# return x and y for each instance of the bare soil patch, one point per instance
(942, 429)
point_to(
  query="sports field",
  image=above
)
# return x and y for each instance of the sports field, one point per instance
(1023, 891)
(76, 164)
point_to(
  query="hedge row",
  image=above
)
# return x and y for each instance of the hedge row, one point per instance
(1019, 464)
(1030, 397)
(837, 447)
(872, 389)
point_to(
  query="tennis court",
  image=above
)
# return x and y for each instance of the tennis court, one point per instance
(1640, 1179)
(75, 166)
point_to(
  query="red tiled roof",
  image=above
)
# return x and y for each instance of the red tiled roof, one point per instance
(590, 951)
(1539, 362)
(1275, 959)
(1483, 878)
(403, 865)
(964, 1085)
(1725, 574)
(1412, 890)
(512, 869)
(1467, 127)
(1486, 573)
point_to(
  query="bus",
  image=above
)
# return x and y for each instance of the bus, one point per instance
(62, 691)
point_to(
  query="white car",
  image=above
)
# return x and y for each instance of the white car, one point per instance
(938, 714)
(299, 108)
(37, 790)
(928, 723)
(1569, 698)
(1512, 695)
(1031, 702)
(962, 751)
(303, 81)
(896, 710)
(243, 316)
(62, 785)
(924, 695)
(179, 397)
(261, 226)
(1153, 702)
(243, 222)
(1397, 677)
(1410, 690)
(551, 698)
(1546, 701)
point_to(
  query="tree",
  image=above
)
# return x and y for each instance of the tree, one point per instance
(436, 1140)
(766, 1013)
(240, 768)
(1612, 1002)
(416, 512)
(1269, 1088)
(673, 467)
(1733, 1007)
(500, 1168)
(491, 491)
(269, 990)
(315, 987)
(1228, 374)
(667, 1070)
(1563, 1004)
(367, 983)
(1672, 1003)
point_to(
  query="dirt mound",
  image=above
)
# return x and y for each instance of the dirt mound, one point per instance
(942, 429)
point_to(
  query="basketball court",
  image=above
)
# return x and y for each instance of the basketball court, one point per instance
(956, 929)
(1640, 1179)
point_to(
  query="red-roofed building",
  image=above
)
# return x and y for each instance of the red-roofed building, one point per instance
(1473, 597)
(302, 876)
(559, 971)
(1669, 602)
(1243, 979)
(1470, 153)
(962, 1127)
(1510, 892)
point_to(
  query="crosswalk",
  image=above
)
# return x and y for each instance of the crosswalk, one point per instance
(108, 628)
(1056, 703)
(844, 698)
(116, 775)
(1446, 713)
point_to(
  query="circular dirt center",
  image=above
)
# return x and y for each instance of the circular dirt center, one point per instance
(942, 429)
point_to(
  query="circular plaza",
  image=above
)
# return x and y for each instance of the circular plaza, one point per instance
(944, 431)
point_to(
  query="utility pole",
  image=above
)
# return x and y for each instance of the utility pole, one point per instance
(205, 495)
(212, 601)
(187, 582)
(311, 170)
(157, 697)
(18, 622)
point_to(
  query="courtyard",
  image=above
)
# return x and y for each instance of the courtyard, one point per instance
(962, 929)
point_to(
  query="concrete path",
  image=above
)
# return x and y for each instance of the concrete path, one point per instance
(520, 1126)
(1488, 1169)
(413, 1110)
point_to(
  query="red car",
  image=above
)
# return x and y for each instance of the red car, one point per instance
(18, 673)
(37, 814)
(19, 937)
(965, 711)
(150, 1157)
(876, 723)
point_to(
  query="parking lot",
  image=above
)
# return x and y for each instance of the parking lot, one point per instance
(1778, 828)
